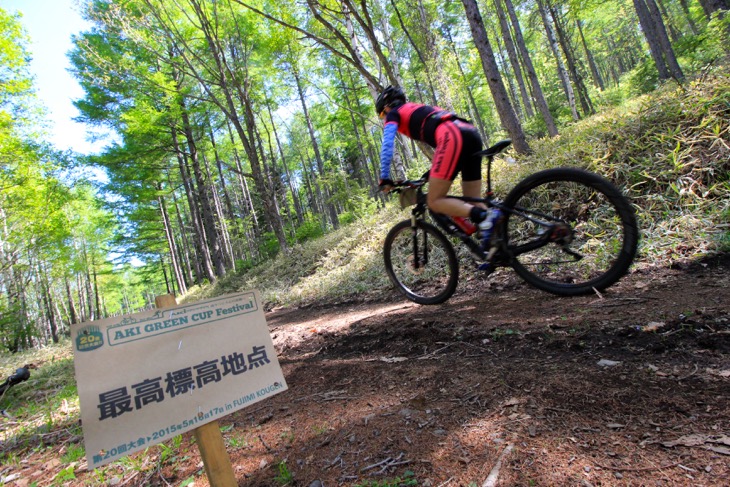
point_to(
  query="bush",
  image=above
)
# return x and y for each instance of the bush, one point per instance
(610, 97)
(347, 217)
(535, 126)
(644, 78)
(242, 265)
(310, 229)
(269, 246)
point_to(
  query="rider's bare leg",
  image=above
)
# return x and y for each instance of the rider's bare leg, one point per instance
(438, 202)
(473, 189)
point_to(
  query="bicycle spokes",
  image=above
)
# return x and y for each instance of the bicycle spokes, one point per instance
(421, 262)
(573, 234)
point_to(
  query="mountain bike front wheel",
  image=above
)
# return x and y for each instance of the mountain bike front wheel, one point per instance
(570, 231)
(421, 262)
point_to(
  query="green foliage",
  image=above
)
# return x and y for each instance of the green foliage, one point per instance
(16, 80)
(643, 79)
(269, 245)
(64, 476)
(342, 263)
(73, 453)
(285, 477)
(167, 453)
(535, 126)
(611, 97)
(408, 479)
(242, 265)
(310, 229)
(707, 48)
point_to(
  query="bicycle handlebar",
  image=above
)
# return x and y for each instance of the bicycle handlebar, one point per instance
(399, 186)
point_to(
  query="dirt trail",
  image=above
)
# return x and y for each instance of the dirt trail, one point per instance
(503, 385)
(627, 388)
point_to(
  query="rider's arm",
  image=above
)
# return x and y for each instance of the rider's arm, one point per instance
(386, 151)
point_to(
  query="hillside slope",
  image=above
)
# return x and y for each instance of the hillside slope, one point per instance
(669, 151)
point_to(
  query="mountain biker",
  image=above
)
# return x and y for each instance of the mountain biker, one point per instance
(455, 141)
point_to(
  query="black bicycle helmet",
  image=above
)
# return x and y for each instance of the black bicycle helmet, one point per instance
(391, 96)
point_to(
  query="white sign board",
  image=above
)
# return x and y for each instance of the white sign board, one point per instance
(147, 377)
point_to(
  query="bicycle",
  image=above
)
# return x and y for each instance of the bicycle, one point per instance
(566, 231)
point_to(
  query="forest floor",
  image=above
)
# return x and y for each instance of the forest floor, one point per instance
(503, 385)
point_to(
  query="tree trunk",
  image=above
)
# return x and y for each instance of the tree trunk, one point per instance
(656, 36)
(537, 93)
(647, 26)
(202, 263)
(96, 292)
(228, 213)
(562, 72)
(512, 92)
(513, 58)
(361, 169)
(184, 247)
(204, 190)
(597, 79)
(82, 299)
(315, 147)
(494, 79)
(666, 45)
(170, 289)
(171, 245)
(207, 216)
(312, 201)
(585, 101)
(287, 173)
(72, 314)
(48, 303)
(474, 110)
(220, 212)
(87, 284)
(248, 202)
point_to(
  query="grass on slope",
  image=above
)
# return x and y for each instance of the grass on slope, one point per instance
(669, 150)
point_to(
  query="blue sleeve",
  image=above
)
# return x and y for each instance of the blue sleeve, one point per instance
(386, 152)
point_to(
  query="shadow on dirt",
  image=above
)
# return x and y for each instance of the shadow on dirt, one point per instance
(590, 389)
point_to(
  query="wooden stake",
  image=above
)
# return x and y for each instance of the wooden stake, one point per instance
(217, 463)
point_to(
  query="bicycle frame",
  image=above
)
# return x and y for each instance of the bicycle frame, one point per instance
(499, 248)
(548, 222)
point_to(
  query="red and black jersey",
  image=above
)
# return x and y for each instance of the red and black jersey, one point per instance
(456, 141)
(419, 122)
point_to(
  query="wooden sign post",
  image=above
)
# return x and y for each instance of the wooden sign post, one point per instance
(147, 377)
(217, 463)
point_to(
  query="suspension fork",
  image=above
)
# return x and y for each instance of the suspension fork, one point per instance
(414, 238)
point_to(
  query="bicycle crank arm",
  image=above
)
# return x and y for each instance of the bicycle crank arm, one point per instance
(572, 253)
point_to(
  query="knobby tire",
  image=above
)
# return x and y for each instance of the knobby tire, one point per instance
(432, 281)
(605, 231)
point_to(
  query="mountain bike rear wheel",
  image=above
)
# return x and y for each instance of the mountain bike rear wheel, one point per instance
(421, 262)
(591, 237)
